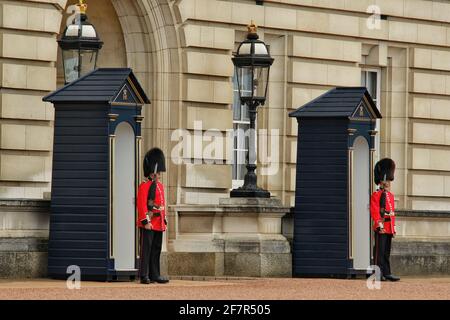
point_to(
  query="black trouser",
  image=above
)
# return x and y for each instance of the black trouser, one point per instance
(382, 252)
(151, 244)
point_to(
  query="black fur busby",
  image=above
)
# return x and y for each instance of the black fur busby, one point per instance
(154, 161)
(384, 170)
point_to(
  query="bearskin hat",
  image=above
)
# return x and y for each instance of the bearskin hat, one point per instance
(384, 170)
(154, 161)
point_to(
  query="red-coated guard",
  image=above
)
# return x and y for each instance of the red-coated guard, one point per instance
(383, 215)
(151, 217)
(157, 214)
(389, 211)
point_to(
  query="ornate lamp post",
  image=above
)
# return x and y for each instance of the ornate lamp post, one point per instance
(252, 63)
(80, 45)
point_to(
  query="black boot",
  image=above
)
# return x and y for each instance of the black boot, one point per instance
(160, 280)
(391, 277)
(145, 280)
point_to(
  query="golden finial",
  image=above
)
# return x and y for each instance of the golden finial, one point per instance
(82, 6)
(252, 28)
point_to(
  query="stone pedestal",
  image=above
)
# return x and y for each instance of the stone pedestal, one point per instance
(237, 237)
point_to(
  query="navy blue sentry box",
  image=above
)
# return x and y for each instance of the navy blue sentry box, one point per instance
(97, 146)
(335, 154)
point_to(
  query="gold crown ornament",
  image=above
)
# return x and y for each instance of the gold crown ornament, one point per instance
(83, 6)
(252, 28)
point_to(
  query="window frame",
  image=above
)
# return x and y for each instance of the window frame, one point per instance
(376, 70)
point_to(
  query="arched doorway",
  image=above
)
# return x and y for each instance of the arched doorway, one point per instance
(124, 182)
(361, 197)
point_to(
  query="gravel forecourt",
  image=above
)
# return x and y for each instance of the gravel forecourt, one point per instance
(255, 289)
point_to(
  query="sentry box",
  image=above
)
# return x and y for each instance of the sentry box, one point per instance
(335, 154)
(97, 146)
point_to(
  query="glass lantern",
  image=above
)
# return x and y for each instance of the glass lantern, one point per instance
(80, 45)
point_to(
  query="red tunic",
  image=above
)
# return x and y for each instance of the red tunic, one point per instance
(156, 221)
(389, 226)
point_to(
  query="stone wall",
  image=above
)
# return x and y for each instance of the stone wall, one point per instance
(208, 241)
(421, 258)
(28, 52)
(238, 237)
(422, 244)
(23, 238)
(22, 258)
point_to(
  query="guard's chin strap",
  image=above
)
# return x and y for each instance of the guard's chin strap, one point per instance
(154, 172)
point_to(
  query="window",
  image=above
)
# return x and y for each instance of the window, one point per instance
(370, 78)
(241, 124)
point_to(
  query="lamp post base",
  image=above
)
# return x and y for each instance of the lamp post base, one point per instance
(250, 188)
(249, 193)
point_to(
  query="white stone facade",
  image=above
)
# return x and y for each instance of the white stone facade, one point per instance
(181, 52)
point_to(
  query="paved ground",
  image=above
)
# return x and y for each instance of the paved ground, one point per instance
(408, 288)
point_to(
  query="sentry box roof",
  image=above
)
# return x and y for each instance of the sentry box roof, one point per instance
(339, 102)
(108, 85)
